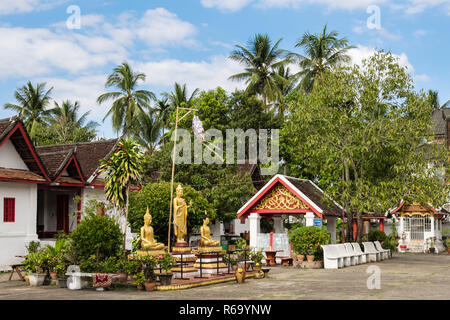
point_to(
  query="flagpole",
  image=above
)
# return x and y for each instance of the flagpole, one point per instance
(173, 169)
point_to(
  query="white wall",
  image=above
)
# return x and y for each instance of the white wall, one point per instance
(9, 158)
(15, 235)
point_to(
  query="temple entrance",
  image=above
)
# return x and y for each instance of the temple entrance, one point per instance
(417, 227)
(62, 213)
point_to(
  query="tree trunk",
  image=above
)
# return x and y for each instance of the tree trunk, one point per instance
(126, 220)
(360, 228)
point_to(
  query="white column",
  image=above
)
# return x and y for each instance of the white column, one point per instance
(331, 228)
(254, 229)
(433, 234)
(309, 219)
(278, 224)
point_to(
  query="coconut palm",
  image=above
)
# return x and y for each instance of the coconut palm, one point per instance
(67, 119)
(322, 52)
(260, 60)
(32, 105)
(149, 131)
(285, 82)
(128, 101)
(433, 99)
(163, 110)
(179, 96)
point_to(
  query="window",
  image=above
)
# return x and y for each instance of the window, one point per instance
(9, 209)
(406, 224)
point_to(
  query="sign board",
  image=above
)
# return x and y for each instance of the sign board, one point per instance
(318, 222)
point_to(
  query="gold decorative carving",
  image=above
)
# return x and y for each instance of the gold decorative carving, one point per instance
(280, 198)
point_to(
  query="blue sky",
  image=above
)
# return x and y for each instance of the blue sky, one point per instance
(188, 41)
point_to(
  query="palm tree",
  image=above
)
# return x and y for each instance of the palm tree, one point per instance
(149, 130)
(32, 105)
(128, 101)
(66, 119)
(163, 110)
(285, 82)
(322, 52)
(260, 60)
(433, 99)
(179, 96)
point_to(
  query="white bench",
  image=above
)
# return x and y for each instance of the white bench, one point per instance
(357, 249)
(331, 257)
(374, 254)
(351, 250)
(350, 259)
(387, 252)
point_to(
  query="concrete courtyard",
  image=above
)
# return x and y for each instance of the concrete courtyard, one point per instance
(406, 276)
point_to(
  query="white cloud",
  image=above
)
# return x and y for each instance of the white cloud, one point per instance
(160, 27)
(25, 6)
(226, 5)
(84, 89)
(196, 74)
(26, 52)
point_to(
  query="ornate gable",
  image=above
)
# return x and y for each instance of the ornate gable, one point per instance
(280, 198)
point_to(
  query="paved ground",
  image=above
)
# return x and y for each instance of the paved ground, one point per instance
(409, 276)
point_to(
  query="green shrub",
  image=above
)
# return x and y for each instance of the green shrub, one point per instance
(33, 246)
(307, 240)
(156, 197)
(376, 235)
(98, 236)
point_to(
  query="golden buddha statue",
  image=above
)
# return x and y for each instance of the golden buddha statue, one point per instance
(147, 237)
(180, 215)
(206, 234)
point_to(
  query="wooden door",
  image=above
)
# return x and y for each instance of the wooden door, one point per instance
(62, 212)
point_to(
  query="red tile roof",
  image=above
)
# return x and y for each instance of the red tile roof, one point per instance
(20, 175)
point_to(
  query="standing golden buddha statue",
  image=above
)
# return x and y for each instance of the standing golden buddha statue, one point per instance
(180, 215)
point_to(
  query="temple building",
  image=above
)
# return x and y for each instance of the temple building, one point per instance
(285, 196)
(44, 189)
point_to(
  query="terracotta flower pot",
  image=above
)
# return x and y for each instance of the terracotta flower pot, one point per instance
(123, 277)
(300, 257)
(140, 287)
(149, 286)
(310, 258)
(234, 267)
(54, 275)
(448, 250)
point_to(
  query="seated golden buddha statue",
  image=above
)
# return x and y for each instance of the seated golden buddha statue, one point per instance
(147, 237)
(206, 234)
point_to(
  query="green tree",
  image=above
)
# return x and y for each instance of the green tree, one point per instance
(156, 197)
(128, 101)
(148, 131)
(122, 170)
(261, 61)
(367, 124)
(179, 96)
(323, 51)
(32, 105)
(433, 99)
(68, 125)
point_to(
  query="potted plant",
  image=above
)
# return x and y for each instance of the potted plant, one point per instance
(256, 256)
(132, 267)
(447, 243)
(61, 269)
(311, 250)
(231, 261)
(121, 267)
(139, 280)
(166, 262)
(431, 249)
(33, 264)
(148, 264)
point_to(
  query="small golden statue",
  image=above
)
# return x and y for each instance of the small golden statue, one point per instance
(180, 215)
(147, 237)
(206, 234)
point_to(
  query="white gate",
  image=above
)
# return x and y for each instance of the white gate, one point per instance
(417, 227)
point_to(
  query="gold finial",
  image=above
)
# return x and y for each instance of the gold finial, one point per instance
(147, 214)
(179, 187)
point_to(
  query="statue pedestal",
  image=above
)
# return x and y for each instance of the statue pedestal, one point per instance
(182, 254)
(210, 260)
(147, 252)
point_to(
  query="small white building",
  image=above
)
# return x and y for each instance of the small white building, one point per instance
(283, 196)
(44, 189)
